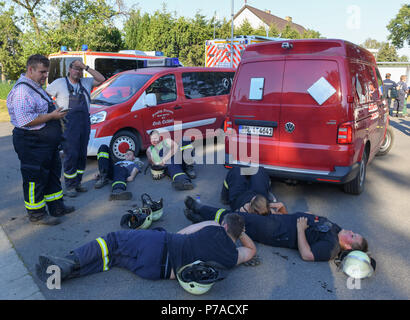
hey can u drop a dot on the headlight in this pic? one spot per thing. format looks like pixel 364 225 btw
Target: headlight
pixel 98 117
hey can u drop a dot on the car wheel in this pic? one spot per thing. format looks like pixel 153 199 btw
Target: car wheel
pixel 356 186
pixel 121 142
pixel 387 143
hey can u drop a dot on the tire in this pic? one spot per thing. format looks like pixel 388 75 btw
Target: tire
pixel 356 186
pixel 387 143
pixel 121 142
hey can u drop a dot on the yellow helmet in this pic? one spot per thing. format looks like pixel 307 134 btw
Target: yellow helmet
pixel 198 277
pixel 137 218
pixel 157 172
pixel 357 264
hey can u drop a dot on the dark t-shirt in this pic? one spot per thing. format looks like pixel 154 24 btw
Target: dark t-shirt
pixel 281 231
pixel 211 243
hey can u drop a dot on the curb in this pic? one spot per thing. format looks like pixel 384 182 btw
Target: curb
pixel 16 282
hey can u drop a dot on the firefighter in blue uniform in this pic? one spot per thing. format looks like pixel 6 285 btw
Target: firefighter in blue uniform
pixel 163 152
pixel 36 137
pixel 389 92
pixel 73 93
pixel 156 254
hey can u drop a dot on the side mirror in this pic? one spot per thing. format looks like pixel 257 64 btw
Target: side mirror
pixel 151 100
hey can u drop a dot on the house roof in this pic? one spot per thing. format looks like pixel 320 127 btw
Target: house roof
pixel 270 19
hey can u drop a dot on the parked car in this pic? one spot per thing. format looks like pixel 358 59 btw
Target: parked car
pixel 128 106
pixel 316 108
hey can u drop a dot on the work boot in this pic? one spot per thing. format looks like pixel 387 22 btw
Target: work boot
pixel 183 185
pixel 80 188
pixel 192 204
pixel 190 171
pixel 71 192
pixel 61 210
pixel 42 218
pixel 119 194
pixel 69 266
pixel 102 181
pixel 193 217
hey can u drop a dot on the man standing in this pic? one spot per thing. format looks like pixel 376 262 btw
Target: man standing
pixel 401 96
pixel 388 87
pixel 73 93
pixel 36 137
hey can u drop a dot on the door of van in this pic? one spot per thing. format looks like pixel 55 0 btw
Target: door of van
pixel 254 111
pixel 167 110
pixel 310 115
pixel 204 99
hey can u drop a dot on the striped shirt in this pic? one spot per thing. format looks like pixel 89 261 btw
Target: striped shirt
pixel 25 105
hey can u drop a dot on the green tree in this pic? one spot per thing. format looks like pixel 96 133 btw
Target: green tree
pixel 32 7
pixel 311 34
pixel 274 31
pixel 10 48
pixel 245 29
pixel 399 27
pixel 371 44
pixel 388 53
pixel 289 33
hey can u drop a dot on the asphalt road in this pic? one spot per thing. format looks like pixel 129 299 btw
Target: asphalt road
pixel 380 213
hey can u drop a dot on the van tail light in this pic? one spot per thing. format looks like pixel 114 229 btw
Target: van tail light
pixel 227 124
pixel 345 133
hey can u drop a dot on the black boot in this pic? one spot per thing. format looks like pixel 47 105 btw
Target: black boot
pixel 192 216
pixel 69 266
pixel 190 171
pixel 192 204
pixel 59 209
pixel 183 185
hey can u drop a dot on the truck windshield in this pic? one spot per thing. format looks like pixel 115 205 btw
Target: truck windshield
pixel 119 89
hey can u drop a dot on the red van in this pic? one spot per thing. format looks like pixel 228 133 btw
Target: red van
pixel 314 109
pixel 128 106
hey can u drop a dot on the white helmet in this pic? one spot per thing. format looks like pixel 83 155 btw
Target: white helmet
pixel 198 277
pixel 356 264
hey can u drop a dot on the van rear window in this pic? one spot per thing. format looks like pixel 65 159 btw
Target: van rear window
pixel 119 89
pixel 206 84
pixel 303 77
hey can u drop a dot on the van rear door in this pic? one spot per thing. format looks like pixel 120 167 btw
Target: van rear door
pixel 255 110
pixel 310 115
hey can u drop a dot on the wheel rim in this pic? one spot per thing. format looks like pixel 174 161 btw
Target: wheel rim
pixel 362 169
pixel 386 142
pixel 121 145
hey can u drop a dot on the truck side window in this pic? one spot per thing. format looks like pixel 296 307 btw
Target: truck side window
pixel 164 88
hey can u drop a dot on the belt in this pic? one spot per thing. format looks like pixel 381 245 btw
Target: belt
pixel 165 265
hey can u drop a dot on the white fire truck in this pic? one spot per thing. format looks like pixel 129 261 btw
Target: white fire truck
pixel 107 63
pixel 218 51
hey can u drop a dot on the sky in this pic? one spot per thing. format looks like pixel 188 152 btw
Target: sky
pixel 352 20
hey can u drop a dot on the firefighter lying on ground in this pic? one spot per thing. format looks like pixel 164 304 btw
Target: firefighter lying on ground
pixel 120 173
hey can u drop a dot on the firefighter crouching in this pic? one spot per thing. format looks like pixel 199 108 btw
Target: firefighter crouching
pixel 36 137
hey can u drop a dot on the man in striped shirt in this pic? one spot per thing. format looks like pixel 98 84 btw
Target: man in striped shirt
pixel 36 137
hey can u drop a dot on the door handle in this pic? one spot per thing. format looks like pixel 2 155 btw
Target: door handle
pixel 177 107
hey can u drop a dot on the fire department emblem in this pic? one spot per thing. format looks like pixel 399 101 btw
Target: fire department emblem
pixel 289 127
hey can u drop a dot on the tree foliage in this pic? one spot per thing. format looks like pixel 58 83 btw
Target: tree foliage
pixel 399 27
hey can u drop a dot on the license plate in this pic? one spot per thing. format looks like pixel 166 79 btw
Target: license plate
pixel 260 131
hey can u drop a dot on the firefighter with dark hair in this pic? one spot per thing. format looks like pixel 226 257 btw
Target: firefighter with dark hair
pixel 157 254
pixel 36 138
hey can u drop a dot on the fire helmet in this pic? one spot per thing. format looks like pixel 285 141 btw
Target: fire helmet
pixel 137 218
pixel 157 172
pixel 356 264
pixel 198 277
pixel 155 206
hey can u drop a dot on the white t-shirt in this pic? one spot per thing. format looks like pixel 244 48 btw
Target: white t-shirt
pixel 58 89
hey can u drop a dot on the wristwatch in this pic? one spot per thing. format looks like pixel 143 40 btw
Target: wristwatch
pixel 86 68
